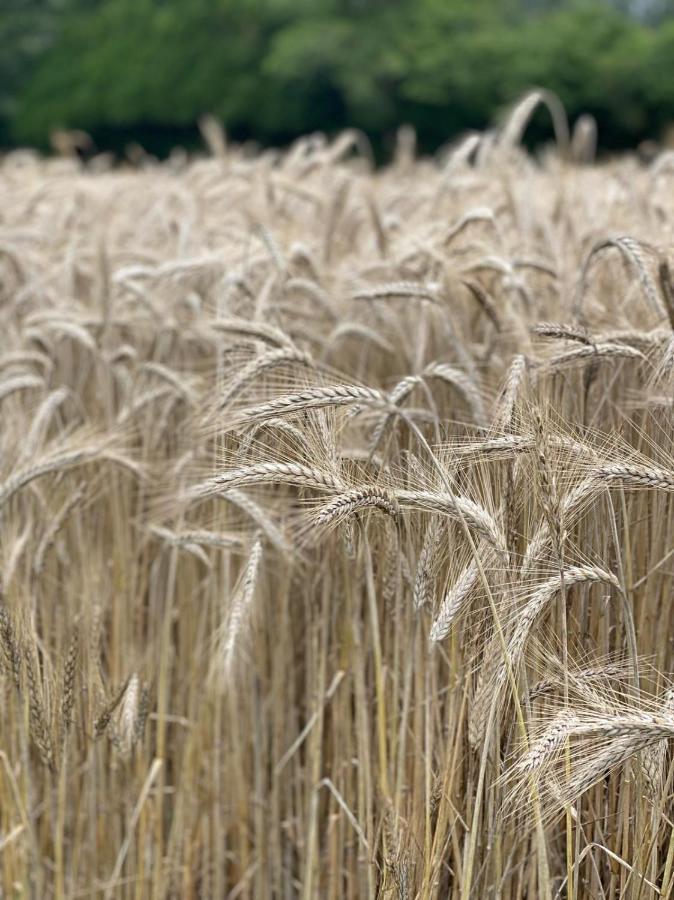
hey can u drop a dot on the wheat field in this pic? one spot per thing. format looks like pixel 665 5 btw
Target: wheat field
pixel 337 522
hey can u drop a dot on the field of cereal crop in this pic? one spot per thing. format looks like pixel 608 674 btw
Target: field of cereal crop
pixel 337 523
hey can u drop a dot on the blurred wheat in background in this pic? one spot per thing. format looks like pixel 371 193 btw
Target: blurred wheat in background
pixel 337 522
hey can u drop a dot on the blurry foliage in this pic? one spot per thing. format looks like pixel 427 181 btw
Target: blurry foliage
pixel 27 28
pixel 272 69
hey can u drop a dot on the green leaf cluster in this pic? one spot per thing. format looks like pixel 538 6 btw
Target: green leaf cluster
pixel 273 69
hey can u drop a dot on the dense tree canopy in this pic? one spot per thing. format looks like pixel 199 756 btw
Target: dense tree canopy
pixel 271 69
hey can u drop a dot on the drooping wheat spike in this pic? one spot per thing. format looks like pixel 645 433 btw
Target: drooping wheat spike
pixel 456 599
pixel 541 598
pixel 646 341
pixel 77 333
pixel 345 505
pixel 257 330
pixel 633 252
pixel 232 629
pixel 19 383
pixel 600 765
pixel 582 680
pixel 634 476
pixel 39 727
pixel 389 566
pixel 491 687
pixel 398 289
pixel 484 301
pixel 548 490
pixel 497 448
pixel 41 422
pixel 582 356
pixel 69 677
pixel 423 581
pixel 61 462
pixel 207 538
pixel 562 332
pixel 654 758
pixel 511 510
pixel 263 363
pixel 604 741
pixel 553 738
pixel 294 474
pixel 456 507
pixel 10 649
pixel 506 405
pixel 143 712
pixel 55 527
pixel 313 398
pixel 356 330
pixel 515 124
pixel 463 383
pixel 20 359
pixel 104 718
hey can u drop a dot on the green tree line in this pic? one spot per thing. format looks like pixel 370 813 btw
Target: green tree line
pixel 272 69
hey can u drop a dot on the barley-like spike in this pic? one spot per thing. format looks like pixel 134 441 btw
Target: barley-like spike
pixel 313 398
pixel 143 712
pixel 257 330
pixel 54 528
pixel 457 507
pixel 631 250
pixel 232 628
pixel 628 475
pixel 104 717
pixel 294 474
pixel 259 364
pixel 484 301
pixel 69 676
pixel 423 582
pixel 562 332
pixel 347 504
pixel 39 728
pixel 538 602
pixel 585 355
pixel 463 383
pixel 503 416
pixel 553 738
pixel 19 383
pixel 398 289
pixel 61 462
pixel 455 601
pixel 9 646
pixel 654 758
